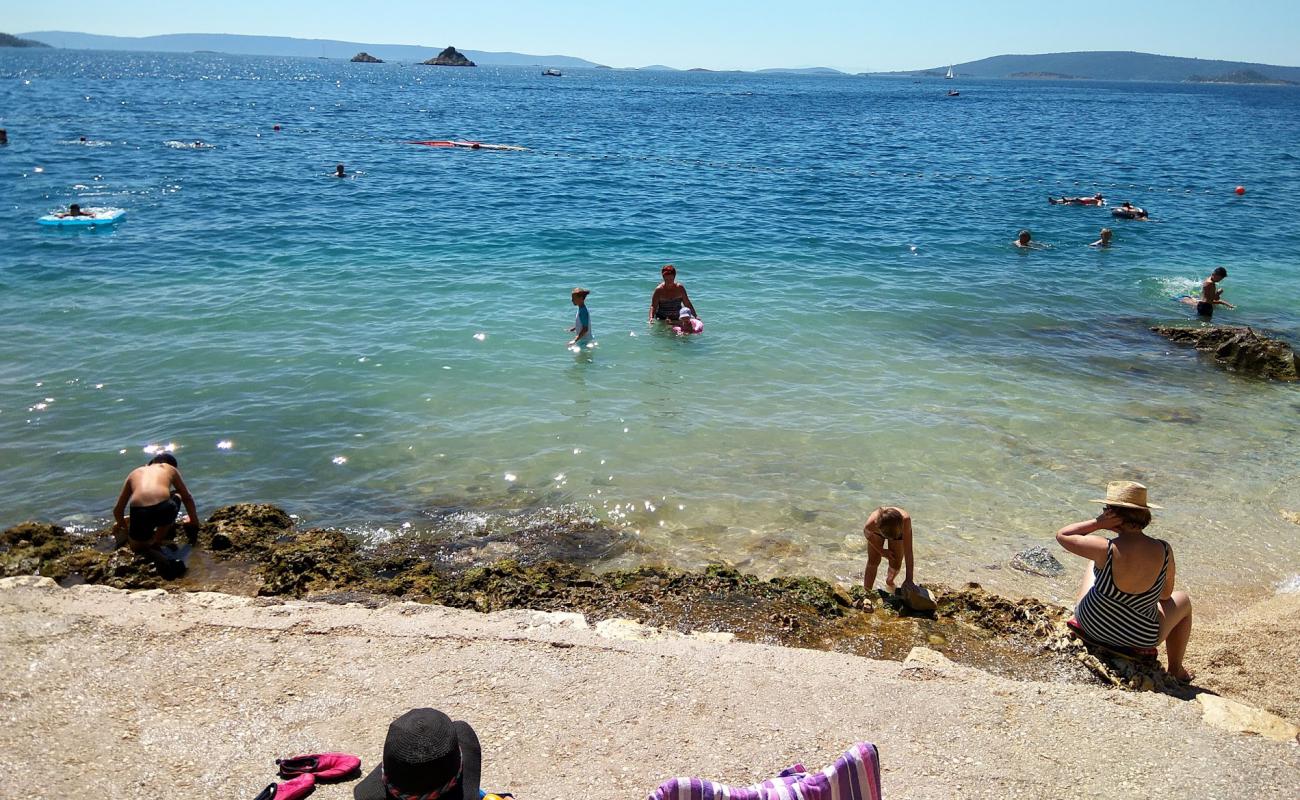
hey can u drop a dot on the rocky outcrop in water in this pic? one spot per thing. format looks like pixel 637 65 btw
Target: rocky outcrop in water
pixel 1239 349
pixel 1037 561
pixel 365 58
pixel 449 57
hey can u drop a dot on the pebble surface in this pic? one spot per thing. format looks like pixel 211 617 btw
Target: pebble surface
pixel 118 694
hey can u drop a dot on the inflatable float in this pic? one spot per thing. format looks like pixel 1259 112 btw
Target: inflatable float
pixel 89 219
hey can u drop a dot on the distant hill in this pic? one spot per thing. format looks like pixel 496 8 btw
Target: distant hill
pixel 1240 76
pixel 659 68
pixel 236 44
pixel 1109 66
pixel 9 40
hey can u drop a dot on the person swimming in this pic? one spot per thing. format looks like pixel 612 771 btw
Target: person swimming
pixel 1104 241
pixel 340 172
pixel 1127 210
pixel 1095 200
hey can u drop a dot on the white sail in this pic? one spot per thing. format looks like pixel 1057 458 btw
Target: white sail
pixel 949 75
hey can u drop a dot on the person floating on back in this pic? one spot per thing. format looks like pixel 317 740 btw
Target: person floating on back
pixel 581 329
pixel 1212 294
pixel 152 492
pixel 1095 200
pixel 669 297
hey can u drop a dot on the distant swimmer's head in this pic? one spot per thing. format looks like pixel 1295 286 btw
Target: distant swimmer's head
pixel 164 458
pixel 82 139
pixel 340 171
pixel 685 313
pixel 1023 237
pixel 1106 234
pixel 669 272
pixel 1219 273
pixel 1098 197
pixel 74 209
pixel 475 146
pixel 1126 204
pixel 579 295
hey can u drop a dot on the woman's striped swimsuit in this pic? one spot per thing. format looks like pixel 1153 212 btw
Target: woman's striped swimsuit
pixel 1109 616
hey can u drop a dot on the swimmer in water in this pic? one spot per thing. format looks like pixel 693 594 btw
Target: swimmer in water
pixel 340 172
pixel 669 297
pixel 687 323
pixel 1104 241
pixel 582 320
pixel 1095 200
pixel 74 210
pixel 1212 294
pixel 4 136
pixel 1127 210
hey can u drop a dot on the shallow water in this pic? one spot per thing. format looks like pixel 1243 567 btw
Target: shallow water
pixel 871 337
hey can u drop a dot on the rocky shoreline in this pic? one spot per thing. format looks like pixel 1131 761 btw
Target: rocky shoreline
pixel 257 550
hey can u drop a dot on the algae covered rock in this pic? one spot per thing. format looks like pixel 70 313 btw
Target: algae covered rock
pixel 1241 350
pixel 245 528
pixel 449 57
pixel 29 548
pixel 316 560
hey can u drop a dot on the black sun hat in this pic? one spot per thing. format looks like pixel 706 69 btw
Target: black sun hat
pixel 427 756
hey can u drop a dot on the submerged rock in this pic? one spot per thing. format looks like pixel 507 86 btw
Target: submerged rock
pixel 1239 349
pixel 1037 561
pixel 449 57
pixel 365 58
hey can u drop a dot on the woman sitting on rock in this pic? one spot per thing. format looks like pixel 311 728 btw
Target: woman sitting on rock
pixel 1127 597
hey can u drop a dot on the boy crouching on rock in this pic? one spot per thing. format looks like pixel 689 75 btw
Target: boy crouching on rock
pixel 889 534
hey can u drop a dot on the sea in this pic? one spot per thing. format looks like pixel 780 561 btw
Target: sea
pixel 386 353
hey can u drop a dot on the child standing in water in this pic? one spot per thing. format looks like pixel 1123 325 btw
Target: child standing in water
pixel 582 322
pixel 889 534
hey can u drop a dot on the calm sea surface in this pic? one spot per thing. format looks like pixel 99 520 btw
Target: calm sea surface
pixel 388 350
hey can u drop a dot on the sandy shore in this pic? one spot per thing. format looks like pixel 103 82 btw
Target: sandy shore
pixel 118 694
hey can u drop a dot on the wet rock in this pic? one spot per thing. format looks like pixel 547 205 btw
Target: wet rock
pixel 29 548
pixel 121 569
pixel 1037 561
pixel 449 57
pixel 1241 718
pixel 365 58
pixel 316 560
pixel 245 528
pixel 1239 349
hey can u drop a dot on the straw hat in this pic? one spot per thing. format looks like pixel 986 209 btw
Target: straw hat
pixel 1127 494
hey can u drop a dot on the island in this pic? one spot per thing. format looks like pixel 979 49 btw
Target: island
pixel 450 57
pixel 1241 76
pixel 9 40
pixel 365 58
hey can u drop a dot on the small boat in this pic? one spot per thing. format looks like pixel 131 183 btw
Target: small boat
pixel 954 93
pixel 552 73
pixel 949 76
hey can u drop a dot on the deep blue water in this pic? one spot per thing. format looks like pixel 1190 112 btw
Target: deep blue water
pixel 871 337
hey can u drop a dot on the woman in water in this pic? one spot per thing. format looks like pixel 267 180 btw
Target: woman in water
pixel 669 297
pixel 1127 597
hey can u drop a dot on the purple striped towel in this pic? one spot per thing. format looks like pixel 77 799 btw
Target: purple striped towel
pixel 854 776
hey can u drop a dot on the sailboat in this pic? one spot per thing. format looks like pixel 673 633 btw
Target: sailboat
pixel 949 76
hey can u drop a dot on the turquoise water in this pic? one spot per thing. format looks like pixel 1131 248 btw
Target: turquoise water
pixel 386 353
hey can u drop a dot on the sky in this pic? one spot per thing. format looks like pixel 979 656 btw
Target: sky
pixel 850 35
